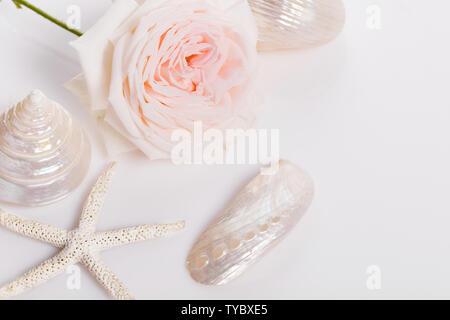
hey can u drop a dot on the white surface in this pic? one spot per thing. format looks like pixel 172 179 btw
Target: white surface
pixel 368 116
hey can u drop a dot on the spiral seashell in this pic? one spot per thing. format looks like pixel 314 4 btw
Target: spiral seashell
pixel 44 153
pixel 296 24
pixel 255 221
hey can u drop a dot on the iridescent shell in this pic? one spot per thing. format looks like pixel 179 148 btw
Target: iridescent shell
pixel 255 221
pixel 44 153
pixel 292 24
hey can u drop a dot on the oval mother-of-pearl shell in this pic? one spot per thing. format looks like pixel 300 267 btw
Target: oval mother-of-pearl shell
pixel 44 153
pixel 292 24
pixel 255 221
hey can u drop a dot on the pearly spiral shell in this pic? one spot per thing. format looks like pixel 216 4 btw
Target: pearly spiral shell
pixel 44 153
pixel 297 24
pixel 255 221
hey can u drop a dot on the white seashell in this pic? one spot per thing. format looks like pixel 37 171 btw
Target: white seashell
pixel 44 153
pixel 295 24
pixel 256 220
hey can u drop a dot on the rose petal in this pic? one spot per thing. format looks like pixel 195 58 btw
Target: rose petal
pixel 95 51
pixel 116 98
pixel 152 151
pixel 78 87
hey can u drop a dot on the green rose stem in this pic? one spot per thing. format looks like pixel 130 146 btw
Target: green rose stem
pixel 20 3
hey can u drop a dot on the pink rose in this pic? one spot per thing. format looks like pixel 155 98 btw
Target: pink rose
pixel 152 67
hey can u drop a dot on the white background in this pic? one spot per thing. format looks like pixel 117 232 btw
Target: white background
pixel 367 115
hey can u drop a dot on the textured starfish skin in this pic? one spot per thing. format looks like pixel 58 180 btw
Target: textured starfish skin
pixel 81 245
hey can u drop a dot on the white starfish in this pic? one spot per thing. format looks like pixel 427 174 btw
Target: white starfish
pixel 81 245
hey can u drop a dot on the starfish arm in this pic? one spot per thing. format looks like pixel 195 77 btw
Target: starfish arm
pixel 38 275
pixel 115 238
pixel 96 199
pixel 34 230
pixel 106 277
